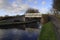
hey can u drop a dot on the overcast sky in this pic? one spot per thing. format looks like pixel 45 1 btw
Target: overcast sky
pixel 18 7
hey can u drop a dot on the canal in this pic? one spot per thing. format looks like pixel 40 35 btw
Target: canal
pixel 18 34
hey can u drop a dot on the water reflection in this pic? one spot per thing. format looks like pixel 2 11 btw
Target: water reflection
pixel 17 34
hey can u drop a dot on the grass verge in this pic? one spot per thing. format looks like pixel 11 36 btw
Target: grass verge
pixel 47 32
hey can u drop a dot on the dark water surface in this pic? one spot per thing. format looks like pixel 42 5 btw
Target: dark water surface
pixel 17 34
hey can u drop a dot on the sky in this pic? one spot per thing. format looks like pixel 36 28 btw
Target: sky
pixel 19 7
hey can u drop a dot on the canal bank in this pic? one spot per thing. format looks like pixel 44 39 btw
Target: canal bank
pixel 47 32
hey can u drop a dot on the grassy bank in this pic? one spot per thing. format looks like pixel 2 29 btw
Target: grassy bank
pixel 47 32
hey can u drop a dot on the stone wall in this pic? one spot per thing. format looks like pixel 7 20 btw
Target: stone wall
pixel 44 18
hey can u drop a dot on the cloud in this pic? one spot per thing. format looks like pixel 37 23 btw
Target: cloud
pixel 43 2
pixel 1 1
pixel 30 0
pixel 1 4
pixel 18 7
pixel 35 2
pixel 15 6
pixel 44 10
pixel 4 4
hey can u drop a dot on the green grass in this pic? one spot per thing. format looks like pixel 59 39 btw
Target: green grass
pixel 47 32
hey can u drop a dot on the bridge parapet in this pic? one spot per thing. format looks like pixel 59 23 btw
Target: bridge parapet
pixel 33 15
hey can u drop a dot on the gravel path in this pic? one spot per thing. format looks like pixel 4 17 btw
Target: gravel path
pixel 56 23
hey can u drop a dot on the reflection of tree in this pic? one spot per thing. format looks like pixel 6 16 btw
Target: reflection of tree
pixel 31 10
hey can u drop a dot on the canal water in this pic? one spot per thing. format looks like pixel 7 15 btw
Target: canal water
pixel 17 34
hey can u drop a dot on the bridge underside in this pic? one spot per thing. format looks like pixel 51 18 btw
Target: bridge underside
pixel 33 18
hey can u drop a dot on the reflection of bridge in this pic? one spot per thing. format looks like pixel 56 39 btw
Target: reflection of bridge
pixel 29 20
pixel 19 25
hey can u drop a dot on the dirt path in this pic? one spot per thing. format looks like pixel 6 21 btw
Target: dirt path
pixel 56 23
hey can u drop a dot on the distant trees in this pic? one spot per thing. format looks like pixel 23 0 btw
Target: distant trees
pixel 31 10
pixel 56 6
pixel 17 15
